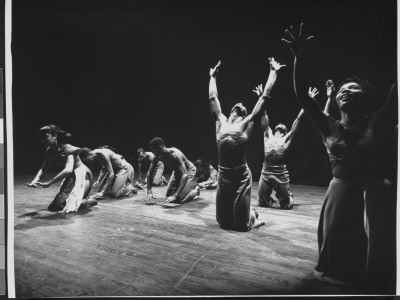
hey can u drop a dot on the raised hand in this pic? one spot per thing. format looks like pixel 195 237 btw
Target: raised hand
pixel 274 65
pixel 258 90
pixel 312 92
pixel 214 71
pixel 330 88
pixel 295 40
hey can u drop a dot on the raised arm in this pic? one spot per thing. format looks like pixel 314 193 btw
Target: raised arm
pixel 386 119
pixel 258 109
pixel 289 135
pixel 331 107
pixel 264 118
pixel 213 94
pixel 297 43
pixel 68 169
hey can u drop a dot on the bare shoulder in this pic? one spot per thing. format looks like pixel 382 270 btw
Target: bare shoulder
pixel 175 151
pixel 103 153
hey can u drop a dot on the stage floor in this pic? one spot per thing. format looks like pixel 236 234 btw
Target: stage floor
pixel 122 247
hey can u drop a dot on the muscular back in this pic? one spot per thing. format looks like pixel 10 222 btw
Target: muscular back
pixel 115 159
pixel 174 159
pixel 275 150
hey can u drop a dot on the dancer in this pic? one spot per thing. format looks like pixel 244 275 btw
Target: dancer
pixel 232 134
pixel 208 176
pixel 182 184
pixel 144 161
pixel 120 173
pixel 351 250
pixel 76 177
pixel 103 174
pixel 274 175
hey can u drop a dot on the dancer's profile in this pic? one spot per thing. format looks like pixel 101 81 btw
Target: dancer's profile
pixel 76 177
pixel 356 233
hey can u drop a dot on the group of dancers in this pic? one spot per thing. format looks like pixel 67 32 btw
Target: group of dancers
pixel 356 231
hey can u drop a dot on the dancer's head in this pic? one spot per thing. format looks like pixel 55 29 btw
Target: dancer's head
pixel 238 113
pixel 141 153
pixel 280 130
pixel 52 135
pixel 356 95
pixel 157 145
pixel 203 169
pixel 87 156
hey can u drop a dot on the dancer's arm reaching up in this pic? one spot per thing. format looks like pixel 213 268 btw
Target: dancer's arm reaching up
pixel 297 43
pixel 213 97
pixel 264 118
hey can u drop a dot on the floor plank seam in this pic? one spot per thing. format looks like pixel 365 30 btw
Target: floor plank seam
pixel 195 263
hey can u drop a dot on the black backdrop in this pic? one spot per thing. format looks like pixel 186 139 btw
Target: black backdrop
pixel 122 72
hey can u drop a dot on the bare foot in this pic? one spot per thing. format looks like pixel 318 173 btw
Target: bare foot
pixel 258 223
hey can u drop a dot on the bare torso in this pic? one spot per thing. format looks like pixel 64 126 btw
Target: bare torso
pixel 115 159
pixel 232 141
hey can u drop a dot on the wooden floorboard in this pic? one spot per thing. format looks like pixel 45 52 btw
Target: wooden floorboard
pixel 122 247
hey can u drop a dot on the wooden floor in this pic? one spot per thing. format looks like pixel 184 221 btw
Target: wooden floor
pixel 123 247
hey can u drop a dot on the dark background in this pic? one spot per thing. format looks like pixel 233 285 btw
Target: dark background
pixel 123 72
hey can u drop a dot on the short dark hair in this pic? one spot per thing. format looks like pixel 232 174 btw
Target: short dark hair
pixel 62 136
pixel 140 150
pixel 157 142
pixel 281 127
pixel 240 110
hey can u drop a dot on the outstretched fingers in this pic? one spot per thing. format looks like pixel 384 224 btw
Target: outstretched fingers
pixel 213 71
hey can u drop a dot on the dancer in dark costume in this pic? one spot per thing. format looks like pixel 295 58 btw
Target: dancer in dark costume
pixel 232 134
pixel 356 233
pixel 76 177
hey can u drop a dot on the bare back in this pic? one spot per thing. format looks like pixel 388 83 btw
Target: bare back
pixel 275 150
pixel 174 160
pixel 115 159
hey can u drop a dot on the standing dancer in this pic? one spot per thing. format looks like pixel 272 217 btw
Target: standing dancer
pixel 76 177
pixel 182 184
pixel 119 172
pixel 232 134
pixel 274 175
pixel 356 232
pixel 144 162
